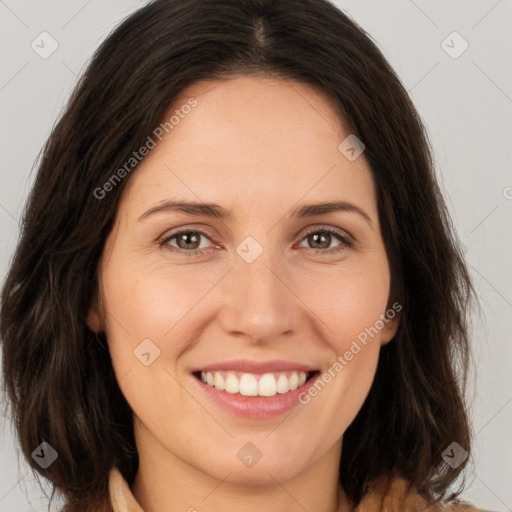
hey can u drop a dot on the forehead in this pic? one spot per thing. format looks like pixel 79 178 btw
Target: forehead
pixel 251 134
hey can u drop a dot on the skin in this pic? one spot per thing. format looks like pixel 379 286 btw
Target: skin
pixel 259 147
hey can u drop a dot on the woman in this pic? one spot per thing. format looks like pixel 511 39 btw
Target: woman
pixel 237 282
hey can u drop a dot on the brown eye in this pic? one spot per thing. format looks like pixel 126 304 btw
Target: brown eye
pixel 186 242
pixel 189 240
pixel 320 240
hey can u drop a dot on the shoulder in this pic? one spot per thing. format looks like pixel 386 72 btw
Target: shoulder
pixel 392 493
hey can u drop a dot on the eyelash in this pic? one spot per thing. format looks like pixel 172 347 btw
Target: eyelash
pixel 347 242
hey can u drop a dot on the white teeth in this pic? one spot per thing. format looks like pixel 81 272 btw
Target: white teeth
pixel 294 381
pixel 232 383
pixel 268 384
pixel 282 384
pixel 219 381
pixel 248 385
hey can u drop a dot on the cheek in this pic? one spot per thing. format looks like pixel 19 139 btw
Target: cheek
pixel 349 304
pixel 174 306
pixel 348 301
pixel 144 300
pixel 165 302
pixel 144 307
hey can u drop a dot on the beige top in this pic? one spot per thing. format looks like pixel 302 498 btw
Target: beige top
pixel 387 495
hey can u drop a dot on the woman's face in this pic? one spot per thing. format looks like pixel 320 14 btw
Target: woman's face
pixel 254 297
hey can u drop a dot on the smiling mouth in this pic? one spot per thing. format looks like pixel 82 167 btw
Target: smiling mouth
pixel 254 384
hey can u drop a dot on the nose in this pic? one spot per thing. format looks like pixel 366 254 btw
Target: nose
pixel 258 302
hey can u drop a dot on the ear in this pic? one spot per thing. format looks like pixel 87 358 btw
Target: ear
pixel 390 328
pixel 94 317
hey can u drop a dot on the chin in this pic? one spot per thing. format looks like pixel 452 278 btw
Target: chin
pixel 249 465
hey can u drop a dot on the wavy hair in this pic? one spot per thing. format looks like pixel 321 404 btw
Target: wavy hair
pixel 58 375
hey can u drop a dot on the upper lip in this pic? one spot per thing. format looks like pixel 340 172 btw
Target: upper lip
pixel 251 366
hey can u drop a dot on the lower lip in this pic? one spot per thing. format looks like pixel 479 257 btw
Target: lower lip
pixel 256 407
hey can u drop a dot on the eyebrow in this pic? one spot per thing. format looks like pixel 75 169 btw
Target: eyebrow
pixel 217 211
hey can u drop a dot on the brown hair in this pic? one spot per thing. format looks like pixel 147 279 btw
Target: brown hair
pixel 58 374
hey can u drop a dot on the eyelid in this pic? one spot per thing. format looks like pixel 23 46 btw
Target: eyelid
pixel 329 229
pixel 345 238
pixel 164 239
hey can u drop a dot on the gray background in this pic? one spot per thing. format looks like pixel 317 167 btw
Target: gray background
pixel 466 104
